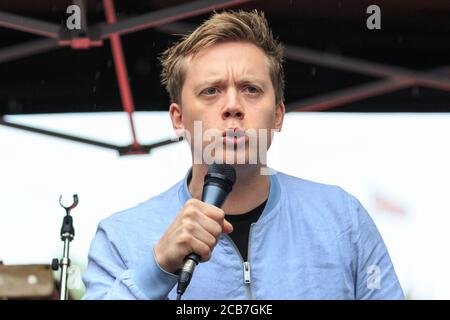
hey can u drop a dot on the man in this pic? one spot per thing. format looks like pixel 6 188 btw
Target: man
pixel 277 236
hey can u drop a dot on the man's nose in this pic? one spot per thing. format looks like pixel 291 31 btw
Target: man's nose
pixel 233 107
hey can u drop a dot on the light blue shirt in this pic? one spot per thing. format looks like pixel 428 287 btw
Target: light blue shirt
pixel 312 241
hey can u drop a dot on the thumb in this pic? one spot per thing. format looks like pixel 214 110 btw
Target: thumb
pixel 227 227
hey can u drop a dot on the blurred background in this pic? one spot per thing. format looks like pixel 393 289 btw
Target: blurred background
pixel 82 111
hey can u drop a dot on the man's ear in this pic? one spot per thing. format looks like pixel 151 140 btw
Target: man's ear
pixel 279 115
pixel 177 119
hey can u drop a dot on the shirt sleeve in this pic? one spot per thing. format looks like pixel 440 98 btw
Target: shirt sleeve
pixel 108 275
pixel 375 277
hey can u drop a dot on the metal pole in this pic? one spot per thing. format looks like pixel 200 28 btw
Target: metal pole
pixel 65 264
pixel 67 235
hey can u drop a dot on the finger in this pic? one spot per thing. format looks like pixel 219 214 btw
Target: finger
pixel 212 212
pixel 200 233
pixel 218 216
pixel 202 249
pixel 210 225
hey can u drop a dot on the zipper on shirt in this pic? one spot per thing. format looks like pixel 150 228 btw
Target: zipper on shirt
pixel 245 264
pixel 247 278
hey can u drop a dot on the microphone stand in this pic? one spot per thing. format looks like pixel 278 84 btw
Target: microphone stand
pixel 67 235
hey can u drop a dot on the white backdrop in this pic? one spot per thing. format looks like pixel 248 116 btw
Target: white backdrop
pixel 396 164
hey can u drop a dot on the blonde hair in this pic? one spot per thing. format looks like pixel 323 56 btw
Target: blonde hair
pixel 226 26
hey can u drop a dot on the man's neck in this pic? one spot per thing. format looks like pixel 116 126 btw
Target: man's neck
pixel 250 190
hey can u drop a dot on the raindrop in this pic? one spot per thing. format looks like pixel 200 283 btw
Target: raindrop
pixel 313 71
pixel 109 63
pixel 94 89
pixel 415 92
pixel 97 75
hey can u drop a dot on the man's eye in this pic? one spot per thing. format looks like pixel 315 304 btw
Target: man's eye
pixel 210 91
pixel 252 89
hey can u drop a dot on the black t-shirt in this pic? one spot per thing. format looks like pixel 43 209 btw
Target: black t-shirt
pixel 241 227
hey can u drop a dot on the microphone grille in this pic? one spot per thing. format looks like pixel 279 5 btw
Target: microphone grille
pixel 223 169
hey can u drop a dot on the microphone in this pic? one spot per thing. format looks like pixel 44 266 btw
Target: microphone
pixel 218 184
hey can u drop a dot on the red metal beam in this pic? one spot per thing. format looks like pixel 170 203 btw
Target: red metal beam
pixel 121 68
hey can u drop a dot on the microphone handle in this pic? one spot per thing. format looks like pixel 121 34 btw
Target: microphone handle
pixel 213 194
pixel 216 196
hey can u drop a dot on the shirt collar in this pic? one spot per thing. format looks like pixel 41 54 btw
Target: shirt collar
pixel 272 201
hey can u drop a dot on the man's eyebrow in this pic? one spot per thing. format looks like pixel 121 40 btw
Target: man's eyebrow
pixel 209 82
pixel 257 81
pixel 219 81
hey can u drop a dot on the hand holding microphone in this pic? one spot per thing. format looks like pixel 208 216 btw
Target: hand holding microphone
pixel 195 231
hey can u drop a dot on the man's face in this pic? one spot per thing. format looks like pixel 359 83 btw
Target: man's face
pixel 228 89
